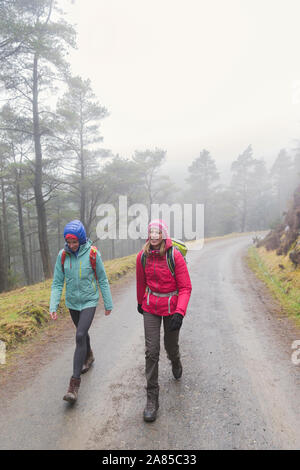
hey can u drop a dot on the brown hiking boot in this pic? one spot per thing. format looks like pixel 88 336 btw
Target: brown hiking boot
pixel 177 369
pixel 151 408
pixel 88 362
pixel 72 393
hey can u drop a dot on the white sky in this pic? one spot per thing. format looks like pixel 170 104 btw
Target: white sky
pixel 184 75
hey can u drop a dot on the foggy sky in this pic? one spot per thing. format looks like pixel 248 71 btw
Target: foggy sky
pixel 192 74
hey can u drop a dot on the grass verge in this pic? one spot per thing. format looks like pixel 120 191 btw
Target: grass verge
pixel 280 276
pixel 25 311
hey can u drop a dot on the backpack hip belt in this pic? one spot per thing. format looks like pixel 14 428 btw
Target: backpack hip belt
pixel 161 294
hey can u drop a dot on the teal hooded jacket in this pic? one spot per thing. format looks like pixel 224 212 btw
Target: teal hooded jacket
pixel 81 285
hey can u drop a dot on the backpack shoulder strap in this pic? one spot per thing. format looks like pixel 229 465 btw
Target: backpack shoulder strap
pixel 93 257
pixel 63 257
pixel 171 260
pixel 169 257
pixel 143 259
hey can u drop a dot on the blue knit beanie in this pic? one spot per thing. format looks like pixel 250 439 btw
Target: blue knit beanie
pixel 75 227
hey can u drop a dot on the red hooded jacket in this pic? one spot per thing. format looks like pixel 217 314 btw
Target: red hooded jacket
pixel 158 278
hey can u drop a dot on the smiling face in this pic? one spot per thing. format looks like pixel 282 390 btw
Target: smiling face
pixel 72 244
pixel 155 237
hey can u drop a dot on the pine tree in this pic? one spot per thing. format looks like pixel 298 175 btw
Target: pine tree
pixel 28 75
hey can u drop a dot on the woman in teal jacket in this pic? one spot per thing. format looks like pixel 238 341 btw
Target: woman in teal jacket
pixel 74 265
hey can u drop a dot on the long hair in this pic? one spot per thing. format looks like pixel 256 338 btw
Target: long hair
pixel 162 248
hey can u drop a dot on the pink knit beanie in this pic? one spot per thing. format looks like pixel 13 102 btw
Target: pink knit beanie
pixel 160 225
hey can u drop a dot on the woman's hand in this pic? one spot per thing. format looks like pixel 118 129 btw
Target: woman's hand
pixel 139 308
pixel 53 315
pixel 107 312
pixel 176 322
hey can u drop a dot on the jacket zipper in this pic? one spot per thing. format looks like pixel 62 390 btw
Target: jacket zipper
pixel 154 274
pixel 78 284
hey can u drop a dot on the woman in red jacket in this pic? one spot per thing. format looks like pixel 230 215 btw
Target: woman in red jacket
pixel 161 296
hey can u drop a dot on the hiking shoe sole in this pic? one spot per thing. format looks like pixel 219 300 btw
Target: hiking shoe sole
pixel 69 399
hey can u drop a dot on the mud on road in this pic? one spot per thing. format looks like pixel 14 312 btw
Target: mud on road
pixel 239 389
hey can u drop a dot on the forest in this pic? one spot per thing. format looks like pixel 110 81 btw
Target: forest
pixel 54 166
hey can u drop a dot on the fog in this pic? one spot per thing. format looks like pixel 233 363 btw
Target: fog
pixel 184 76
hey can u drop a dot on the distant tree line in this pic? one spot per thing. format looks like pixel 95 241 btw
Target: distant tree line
pixel 255 199
pixel 53 167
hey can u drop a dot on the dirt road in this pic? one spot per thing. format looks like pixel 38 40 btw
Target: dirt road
pixel 239 389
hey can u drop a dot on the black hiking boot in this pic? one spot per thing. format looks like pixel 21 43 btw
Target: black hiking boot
pixel 177 369
pixel 151 408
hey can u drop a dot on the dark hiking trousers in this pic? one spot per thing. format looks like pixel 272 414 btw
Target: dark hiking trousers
pixel 152 324
pixel 82 320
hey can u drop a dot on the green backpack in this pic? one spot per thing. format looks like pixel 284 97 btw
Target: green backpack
pixel 176 245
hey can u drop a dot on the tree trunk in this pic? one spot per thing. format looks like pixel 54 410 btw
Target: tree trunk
pixel 2 257
pixel 5 239
pixel 38 181
pixel 30 246
pixel 59 232
pixel 82 173
pixel 244 214
pixel 113 251
pixel 22 237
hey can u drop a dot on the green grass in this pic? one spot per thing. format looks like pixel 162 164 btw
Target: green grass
pixel 25 311
pixel 280 276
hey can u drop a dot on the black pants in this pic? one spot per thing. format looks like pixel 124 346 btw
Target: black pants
pixel 82 320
